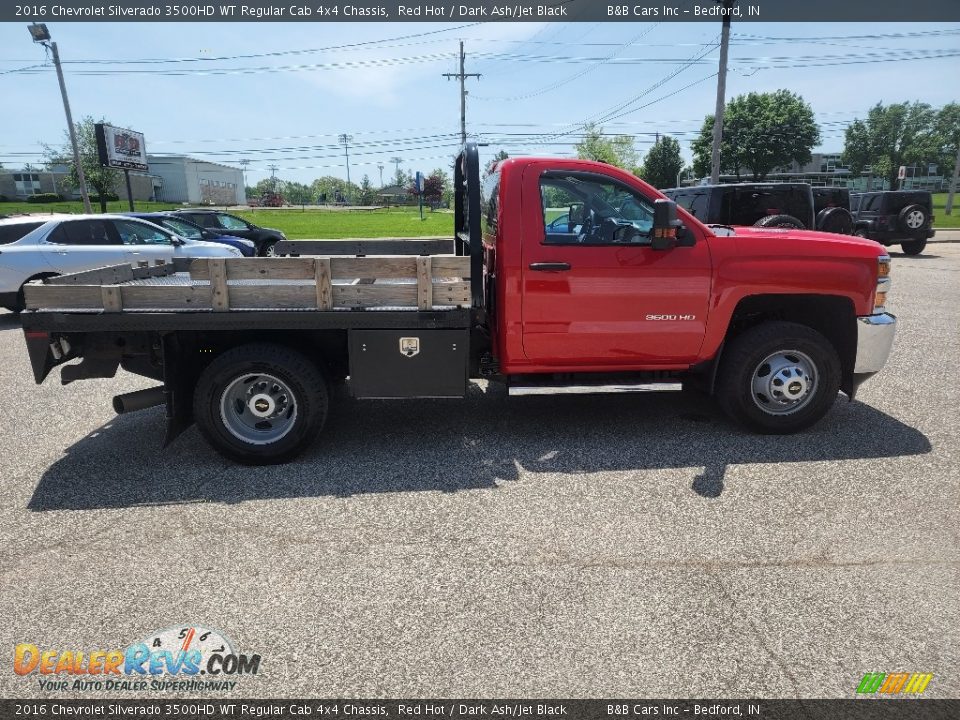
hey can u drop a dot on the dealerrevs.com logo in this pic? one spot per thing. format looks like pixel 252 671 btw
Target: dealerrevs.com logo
pixel 186 658
pixel 887 684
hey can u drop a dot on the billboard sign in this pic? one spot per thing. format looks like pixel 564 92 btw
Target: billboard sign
pixel 120 148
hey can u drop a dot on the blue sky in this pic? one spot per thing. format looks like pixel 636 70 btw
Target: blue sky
pixel 540 83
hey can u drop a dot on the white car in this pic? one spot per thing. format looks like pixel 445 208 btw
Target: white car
pixel 33 247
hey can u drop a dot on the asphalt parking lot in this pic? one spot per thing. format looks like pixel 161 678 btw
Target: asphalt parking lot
pixel 551 547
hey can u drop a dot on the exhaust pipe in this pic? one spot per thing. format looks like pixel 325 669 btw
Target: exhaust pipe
pixel 139 400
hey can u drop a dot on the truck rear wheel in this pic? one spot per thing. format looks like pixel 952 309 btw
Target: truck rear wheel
pixel 778 377
pixel 261 404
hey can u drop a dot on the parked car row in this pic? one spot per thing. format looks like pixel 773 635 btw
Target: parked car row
pixel 38 247
pixel 891 217
pixel 222 222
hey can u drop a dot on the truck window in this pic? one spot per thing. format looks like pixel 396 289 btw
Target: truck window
pixel 588 209
pixel 489 207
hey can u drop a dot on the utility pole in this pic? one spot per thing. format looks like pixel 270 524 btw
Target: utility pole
pixel 462 77
pixel 40 34
pixel 721 91
pixel 273 178
pixel 345 141
pixel 380 168
pixel 396 161
pixel 243 169
pixel 953 185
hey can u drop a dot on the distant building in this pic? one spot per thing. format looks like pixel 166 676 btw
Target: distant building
pixel 21 184
pixel 199 182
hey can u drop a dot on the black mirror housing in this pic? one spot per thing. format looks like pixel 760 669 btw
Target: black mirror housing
pixel 665 225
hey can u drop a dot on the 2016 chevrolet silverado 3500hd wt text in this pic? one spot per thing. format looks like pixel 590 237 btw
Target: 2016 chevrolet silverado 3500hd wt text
pixel 561 276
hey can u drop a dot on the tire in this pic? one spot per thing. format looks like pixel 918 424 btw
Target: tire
pixel 749 372
pixel 835 220
pixel 788 221
pixel 913 219
pixel 19 305
pixel 268 249
pixel 283 384
pixel 913 247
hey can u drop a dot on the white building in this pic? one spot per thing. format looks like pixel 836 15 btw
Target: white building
pixel 188 180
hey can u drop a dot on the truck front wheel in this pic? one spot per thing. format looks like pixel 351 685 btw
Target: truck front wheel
pixel 261 404
pixel 778 377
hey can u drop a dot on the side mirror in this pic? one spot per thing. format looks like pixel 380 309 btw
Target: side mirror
pixel 576 215
pixel 177 241
pixel 665 224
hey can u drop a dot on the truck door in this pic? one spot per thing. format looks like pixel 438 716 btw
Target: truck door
pixel 594 291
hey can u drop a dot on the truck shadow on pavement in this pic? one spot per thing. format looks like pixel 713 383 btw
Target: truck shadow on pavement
pixel 449 446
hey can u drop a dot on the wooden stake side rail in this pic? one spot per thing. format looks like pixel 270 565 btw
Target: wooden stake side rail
pixel 224 284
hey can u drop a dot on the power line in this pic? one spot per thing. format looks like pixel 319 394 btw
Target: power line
pixel 577 76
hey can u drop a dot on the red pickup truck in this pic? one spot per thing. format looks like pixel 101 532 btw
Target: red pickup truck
pixel 563 276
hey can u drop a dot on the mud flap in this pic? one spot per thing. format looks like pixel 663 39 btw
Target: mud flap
pixel 178 389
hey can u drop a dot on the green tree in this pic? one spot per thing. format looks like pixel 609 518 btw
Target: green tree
pixel 948 136
pixel 891 136
pixel 366 195
pixel 662 163
pixel 761 132
pixel 103 181
pixel 501 155
pixel 401 178
pixel 330 189
pixel 614 150
pixel 297 193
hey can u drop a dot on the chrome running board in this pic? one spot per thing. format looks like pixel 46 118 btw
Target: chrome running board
pixel 592 389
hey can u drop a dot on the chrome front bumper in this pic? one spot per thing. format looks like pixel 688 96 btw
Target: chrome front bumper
pixel 874 340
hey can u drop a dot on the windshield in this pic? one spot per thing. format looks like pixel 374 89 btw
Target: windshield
pixel 183 229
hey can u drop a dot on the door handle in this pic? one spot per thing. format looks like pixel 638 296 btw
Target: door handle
pixel 549 266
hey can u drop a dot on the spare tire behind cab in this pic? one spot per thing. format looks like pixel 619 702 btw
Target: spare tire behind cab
pixel 786 221
pixel 913 220
pixel 836 220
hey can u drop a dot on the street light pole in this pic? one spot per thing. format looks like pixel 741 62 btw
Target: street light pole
pixel 40 34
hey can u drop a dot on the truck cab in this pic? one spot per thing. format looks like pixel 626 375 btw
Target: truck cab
pixel 581 284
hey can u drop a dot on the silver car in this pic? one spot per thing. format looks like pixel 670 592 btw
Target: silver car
pixel 33 247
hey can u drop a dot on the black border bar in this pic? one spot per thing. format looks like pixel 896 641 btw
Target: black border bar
pixel 460 11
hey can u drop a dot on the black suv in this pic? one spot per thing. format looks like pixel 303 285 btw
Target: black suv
pixel 263 238
pixel 892 217
pixel 760 204
pixel 832 206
